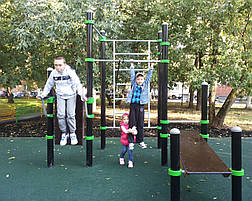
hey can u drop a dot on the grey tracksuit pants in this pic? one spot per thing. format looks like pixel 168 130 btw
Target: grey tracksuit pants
pixel 66 112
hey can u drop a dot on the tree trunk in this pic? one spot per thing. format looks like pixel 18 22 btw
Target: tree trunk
pixel 218 121
pixel 9 95
pixel 191 92
pixel 212 97
pixel 249 102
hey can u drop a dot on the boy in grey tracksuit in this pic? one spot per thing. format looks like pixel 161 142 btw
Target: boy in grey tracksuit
pixel 67 86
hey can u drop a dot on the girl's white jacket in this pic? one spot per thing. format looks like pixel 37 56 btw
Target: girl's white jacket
pixel 67 83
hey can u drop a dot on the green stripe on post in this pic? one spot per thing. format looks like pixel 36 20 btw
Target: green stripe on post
pixel 159 127
pixel 49 137
pixel 165 43
pixel 165 61
pixel 103 128
pixel 175 173
pixel 158 53
pixel 89 59
pixel 50 100
pixel 91 116
pixel 50 115
pixel 89 21
pixel 159 40
pixel 205 136
pixel 237 173
pixel 164 135
pixel 102 39
pixel 164 121
pixel 204 121
pixel 90 100
pixel 89 137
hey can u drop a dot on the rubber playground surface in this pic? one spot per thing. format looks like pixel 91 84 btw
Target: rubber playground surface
pixel 24 175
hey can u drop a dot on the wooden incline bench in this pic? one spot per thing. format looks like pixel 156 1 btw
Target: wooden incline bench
pixel 197 157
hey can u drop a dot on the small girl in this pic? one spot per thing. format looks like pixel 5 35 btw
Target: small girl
pixel 124 126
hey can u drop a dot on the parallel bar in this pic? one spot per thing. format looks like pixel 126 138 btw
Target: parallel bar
pixel 183 121
pixel 126 61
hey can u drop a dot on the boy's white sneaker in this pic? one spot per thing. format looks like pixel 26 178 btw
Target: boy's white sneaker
pixel 130 164
pixel 131 146
pixel 63 140
pixel 143 145
pixel 73 138
pixel 122 161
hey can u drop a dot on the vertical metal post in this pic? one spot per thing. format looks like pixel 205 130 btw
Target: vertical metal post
pixel 204 122
pixel 149 51
pixel 159 88
pixel 114 82
pixel 237 171
pixel 103 87
pixel 164 80
pixel 89 143
pixel 50 126
pixel 175 171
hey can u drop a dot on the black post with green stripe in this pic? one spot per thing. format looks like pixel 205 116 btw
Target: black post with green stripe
pixel 103 87
pixel 164 80
pixel 89 65
pixel 204 121
pixel 159 88
pixel 237 171
pixel 50 126
pixel 175 171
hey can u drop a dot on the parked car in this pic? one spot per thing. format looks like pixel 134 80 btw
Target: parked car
pixel 3 93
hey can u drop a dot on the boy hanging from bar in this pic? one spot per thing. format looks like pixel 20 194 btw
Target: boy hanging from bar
pixel 138 97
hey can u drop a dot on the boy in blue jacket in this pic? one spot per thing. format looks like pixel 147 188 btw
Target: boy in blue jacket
pixel 138 96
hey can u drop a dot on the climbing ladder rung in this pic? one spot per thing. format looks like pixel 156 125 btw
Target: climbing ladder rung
pixel 131 53
pixel 120 98
pixel 128 69
pixel 123 84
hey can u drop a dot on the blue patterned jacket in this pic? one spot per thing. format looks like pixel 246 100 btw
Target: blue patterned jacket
pixel 144 98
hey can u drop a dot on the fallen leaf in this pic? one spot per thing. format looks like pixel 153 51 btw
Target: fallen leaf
pixel 12 158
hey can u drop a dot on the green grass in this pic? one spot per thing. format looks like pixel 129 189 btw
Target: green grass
pixel 21 107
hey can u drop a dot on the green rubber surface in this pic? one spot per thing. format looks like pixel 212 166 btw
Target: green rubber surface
pixel 24 175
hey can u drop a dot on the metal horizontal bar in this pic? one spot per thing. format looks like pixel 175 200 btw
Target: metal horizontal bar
pixel 128 69
pixel 127 61
pixel 123 84
pixel 150 127
pixel 131 54
pixel 183 121
pixel 153 41
pixel 120 98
